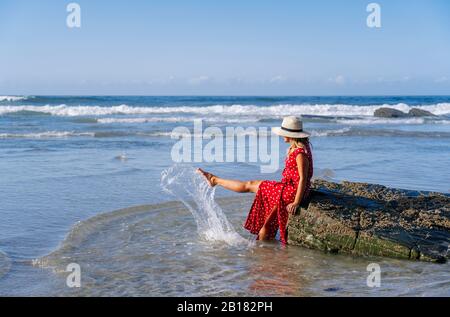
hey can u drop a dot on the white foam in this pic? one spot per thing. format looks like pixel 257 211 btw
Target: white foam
pixel 194 192
pixel 206 134
pixel 325 133
pixel 274 111
pixel 373 120
pixel 12 98
pixel 43 135
pixel 393 121
pixel 170 119
pixel 439 121
pixel 137 120
pixel 258 133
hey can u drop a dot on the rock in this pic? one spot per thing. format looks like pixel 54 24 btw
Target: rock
pixel 386 112
pixel 389 113
pixel 373 220
pixel 415 112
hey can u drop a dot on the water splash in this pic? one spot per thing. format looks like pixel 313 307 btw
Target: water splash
pixel 193 191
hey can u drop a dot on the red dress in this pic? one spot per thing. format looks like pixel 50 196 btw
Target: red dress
pixel 280 194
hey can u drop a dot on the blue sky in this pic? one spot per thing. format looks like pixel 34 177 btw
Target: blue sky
pixel 237 47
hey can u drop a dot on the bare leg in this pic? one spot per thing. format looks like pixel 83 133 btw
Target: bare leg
pixel 264 232
pixel 233 185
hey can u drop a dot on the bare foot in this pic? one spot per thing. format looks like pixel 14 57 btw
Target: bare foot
pixel 210 178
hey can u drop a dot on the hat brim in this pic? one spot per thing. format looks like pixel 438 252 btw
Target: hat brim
pixel 296 135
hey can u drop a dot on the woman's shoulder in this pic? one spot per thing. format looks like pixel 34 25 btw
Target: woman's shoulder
pixel 298 150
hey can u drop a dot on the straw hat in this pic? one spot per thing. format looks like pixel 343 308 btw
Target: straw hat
pixel 292 127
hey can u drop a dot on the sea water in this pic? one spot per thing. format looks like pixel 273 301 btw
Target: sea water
pixel 65 160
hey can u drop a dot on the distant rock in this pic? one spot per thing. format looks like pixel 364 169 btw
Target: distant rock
pixel 374 220
pixel 387 112
pixel 415 112
pixel 390 113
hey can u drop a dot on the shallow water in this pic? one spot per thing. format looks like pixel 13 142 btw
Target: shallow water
pixel 126 253
pixel 67 159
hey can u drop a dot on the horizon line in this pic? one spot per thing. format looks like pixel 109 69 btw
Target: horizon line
pixel 230 95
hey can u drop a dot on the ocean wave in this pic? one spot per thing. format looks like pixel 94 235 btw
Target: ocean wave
pixel 12 98
pixel 240 133
pixel 347 131
pixel 84 120
pixel 324 133
pixel 393 133
pixel 373 120
pixel 207 134
pixel 172 119
pixel 394 121
pixel 73 134
pixel 258 112
pixel 45 135
pixel 165 134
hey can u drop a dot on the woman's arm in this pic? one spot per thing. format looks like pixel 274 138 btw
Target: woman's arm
pixel 303 167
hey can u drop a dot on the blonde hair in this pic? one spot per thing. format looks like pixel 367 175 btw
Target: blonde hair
pixel 298 143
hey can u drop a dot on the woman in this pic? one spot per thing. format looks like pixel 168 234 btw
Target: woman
pixel 275 200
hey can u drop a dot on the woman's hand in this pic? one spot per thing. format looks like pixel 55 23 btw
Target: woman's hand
pixel 292 208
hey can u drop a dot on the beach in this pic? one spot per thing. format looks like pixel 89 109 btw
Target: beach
pixel 83 182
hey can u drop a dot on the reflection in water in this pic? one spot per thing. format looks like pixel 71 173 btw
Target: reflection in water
pixel 273 273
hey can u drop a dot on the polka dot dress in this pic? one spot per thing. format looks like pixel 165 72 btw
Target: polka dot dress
pixel 280 194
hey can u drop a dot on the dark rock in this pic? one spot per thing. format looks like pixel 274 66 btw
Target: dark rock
pixel 389 113
pixel 373 220
pixel 415 112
